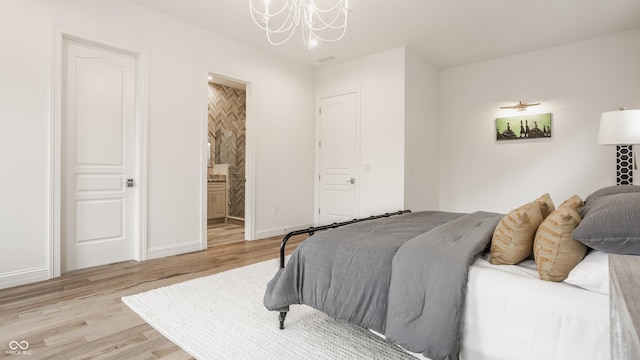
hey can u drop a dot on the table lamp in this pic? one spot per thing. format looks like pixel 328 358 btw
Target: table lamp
pixel 621 128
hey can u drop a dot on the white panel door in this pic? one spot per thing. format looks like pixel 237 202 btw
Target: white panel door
pixel 98 155
pixel 338 158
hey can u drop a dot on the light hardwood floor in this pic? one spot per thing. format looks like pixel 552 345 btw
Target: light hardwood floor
pixel 222 234
pixel 80 315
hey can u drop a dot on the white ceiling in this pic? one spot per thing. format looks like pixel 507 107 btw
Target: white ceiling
pixel 446 33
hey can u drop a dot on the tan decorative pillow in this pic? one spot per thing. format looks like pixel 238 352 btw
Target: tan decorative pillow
pixel 555 252
pixel 574 202
pixel 545 204
pixel 512 239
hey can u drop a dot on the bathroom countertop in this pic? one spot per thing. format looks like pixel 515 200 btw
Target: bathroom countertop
pixel 217 178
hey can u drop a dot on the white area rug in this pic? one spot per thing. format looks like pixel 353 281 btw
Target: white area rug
pixel 222 317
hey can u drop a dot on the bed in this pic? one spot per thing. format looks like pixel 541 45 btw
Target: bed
pixel 531 284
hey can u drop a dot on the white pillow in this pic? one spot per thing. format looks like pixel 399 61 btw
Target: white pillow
pixel 592 273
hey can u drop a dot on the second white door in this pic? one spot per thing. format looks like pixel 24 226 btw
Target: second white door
pixel 338 148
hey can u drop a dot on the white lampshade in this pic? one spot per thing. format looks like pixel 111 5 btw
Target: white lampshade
pixel 620 127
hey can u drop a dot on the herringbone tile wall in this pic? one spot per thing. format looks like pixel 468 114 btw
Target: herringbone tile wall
pixel 227 131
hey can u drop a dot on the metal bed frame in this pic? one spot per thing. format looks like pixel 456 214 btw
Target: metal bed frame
pixel 310 231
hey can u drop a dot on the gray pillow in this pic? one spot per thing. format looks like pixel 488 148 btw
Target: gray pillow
pixel 612 224
pixel 605 191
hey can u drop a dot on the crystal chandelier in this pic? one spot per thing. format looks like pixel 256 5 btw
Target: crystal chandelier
pixel 280 19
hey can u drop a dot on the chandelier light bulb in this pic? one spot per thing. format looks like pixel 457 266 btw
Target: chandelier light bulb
pixel 312 42
pixel 280 18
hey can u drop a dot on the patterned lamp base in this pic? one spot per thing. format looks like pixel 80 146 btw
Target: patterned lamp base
pixel 624 165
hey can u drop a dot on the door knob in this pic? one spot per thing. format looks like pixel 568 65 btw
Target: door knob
pixel 130 183
pixel 351 181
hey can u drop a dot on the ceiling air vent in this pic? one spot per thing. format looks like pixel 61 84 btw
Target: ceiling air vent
pixel 328 58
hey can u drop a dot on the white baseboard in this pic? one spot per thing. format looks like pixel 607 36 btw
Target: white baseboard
pixel 22 277
pixel 281 231
pixel 173 249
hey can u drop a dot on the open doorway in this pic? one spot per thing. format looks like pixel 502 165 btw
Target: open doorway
pixel 226 161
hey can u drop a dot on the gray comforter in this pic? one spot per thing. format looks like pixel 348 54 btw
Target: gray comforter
pixel 403 276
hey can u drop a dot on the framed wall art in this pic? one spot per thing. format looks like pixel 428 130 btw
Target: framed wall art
pixel 523 127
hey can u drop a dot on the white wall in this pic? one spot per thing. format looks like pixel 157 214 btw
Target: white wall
pixel 398 107
pixel 380 80
pixel 178 53
pixel 576 83
pixel 421 134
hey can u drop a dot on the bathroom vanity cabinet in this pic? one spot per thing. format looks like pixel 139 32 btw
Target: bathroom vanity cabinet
pixel 216 200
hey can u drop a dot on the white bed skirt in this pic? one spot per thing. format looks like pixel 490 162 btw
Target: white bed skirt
pixel 510 314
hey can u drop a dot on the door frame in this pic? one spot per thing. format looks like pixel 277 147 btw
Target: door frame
pixel 249 186
pixel 55 159
pixel 316 182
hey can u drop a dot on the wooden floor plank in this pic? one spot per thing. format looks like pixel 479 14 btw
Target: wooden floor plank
pixel 80 315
